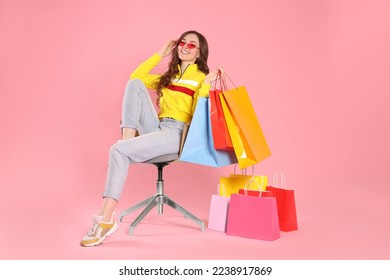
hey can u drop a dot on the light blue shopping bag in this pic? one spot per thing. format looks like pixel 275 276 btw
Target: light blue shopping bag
pixel 199 145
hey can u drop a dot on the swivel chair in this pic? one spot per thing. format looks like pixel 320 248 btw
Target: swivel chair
pixel 159 198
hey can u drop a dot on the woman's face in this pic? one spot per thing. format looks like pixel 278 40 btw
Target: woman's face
pixel 188 48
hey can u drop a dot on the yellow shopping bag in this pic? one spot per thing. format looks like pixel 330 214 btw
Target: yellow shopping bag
pixel 247 136
pixel 235 182
pixel 261 181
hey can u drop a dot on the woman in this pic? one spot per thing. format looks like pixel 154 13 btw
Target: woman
pixel 178 89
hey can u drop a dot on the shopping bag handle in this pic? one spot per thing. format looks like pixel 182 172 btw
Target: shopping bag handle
pixel 251 181
pixel 275 182
pixel 223 188
pixel 243 171
pixel 221 77
pixel 222 83
pixel 224 80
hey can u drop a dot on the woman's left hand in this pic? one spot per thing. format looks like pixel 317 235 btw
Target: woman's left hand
pixel 212 76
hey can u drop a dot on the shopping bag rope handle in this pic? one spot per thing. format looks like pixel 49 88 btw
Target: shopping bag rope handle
pixel 221 77
pixel 222 82
pixel 223 188
pixel 225 74
pixel 243 171
pixel 280 174
pixel 251 181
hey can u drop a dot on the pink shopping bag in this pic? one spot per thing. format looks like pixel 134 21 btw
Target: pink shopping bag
pixel 253 217
pixel 218 211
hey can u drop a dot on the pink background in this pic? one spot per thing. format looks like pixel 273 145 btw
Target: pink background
pixel 318 76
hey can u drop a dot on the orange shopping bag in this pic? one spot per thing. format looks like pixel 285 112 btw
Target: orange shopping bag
pixel 247 136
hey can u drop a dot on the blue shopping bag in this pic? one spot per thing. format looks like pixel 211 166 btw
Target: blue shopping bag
pixel 199 145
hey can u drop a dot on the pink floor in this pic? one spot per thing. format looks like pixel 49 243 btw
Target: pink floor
pixel 334 224
pixel 318 76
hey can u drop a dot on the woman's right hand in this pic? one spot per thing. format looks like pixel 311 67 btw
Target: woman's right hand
pixel 167 48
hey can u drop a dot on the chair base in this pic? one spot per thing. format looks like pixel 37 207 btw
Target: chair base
pixel 157 200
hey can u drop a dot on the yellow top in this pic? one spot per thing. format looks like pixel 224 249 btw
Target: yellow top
pixel 178 100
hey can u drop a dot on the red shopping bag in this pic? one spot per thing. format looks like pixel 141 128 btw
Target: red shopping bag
pixel 219 127
pixel 285 200
pixel 256 193
pixel 253 217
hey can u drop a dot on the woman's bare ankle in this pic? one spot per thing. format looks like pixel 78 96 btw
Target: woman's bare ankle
pixel 128 133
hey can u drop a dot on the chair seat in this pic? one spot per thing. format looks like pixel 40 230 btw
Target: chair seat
pixel 163 158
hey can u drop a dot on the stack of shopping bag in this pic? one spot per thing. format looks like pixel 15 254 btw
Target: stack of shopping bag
pixel 245 206
pixel 225 130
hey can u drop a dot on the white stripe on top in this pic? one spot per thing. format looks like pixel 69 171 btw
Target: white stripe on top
pixel 188 82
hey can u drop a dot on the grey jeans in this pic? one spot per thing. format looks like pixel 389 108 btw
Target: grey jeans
pixel 156 137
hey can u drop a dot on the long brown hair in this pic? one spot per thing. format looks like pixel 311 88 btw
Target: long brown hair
pixel 201 61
